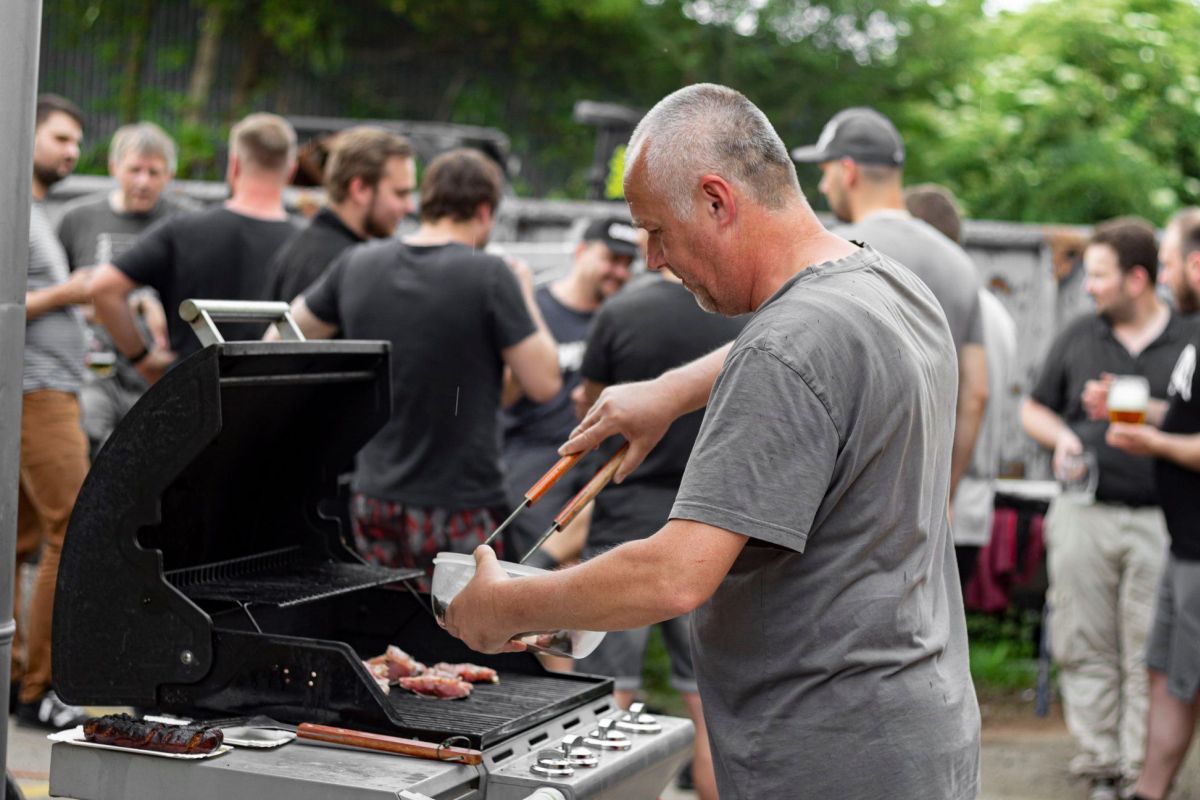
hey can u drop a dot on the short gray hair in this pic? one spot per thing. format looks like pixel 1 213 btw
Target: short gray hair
pixel 143 139
pixel 705 128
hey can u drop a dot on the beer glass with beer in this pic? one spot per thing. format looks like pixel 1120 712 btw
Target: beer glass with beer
pixel 1128 397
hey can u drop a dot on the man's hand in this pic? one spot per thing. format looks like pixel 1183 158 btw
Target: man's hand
pixel 641 412
pixel 472 614
pixel 1138 440
pixel 1068 444
pixel 156 362
pixel 1095 396
pixel 77 289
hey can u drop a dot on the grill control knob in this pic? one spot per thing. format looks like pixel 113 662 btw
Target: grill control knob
pixel 552 764
pixel 578 753
pixel 607 737
pixel 636 720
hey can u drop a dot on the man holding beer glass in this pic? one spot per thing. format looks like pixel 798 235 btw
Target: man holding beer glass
pixel 1173 657
pixel 1105 557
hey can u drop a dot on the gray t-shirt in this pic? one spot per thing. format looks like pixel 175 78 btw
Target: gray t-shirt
pixel 55 341
pixel 832 659
pixel 944 266
pixel 93 233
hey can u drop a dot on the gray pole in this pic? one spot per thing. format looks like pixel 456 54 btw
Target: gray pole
pixel 19 37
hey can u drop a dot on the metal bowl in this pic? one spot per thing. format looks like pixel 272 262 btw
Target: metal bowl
pixel 453 571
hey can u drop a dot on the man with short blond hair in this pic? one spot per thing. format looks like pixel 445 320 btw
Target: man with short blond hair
pixel 218 254
pixel 370 178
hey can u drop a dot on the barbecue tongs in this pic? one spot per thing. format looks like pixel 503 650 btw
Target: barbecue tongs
pixel 571 509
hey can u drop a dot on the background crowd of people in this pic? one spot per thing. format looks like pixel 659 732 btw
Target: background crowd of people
pixel 491 374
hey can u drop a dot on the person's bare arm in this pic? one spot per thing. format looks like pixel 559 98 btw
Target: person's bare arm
pixel 74 291
pixel 312 326
pixel 636 584
pixel 532 363
pixel 147 306
pixel 1047 428
pixel 643 411
pixel 1146 440
pixel 968 416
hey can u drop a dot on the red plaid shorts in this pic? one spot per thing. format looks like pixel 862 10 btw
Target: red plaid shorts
pixel 398 535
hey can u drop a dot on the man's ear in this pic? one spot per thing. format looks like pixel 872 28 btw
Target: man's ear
pixel 850 173
pixel 720 205
pixel 358 191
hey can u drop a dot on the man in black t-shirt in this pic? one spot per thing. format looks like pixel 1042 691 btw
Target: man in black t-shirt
pixel 1173 657
pixel 638 335
pixel 1105 558
pixel 430 480
pixel 534 431
pixel 369 179
pixel 219 254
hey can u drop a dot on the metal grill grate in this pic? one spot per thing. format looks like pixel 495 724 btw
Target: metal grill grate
pixel 283 578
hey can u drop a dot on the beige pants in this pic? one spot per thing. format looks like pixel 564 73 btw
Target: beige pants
pixel 54 463
pixel 1105 562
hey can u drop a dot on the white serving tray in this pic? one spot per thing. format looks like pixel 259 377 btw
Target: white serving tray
pixel 75 736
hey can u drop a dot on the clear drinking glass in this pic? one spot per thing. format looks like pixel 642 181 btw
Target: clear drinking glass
pixel 1078 475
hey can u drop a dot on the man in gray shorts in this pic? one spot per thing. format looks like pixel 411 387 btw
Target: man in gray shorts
pixel 1173 654
pixel 810 533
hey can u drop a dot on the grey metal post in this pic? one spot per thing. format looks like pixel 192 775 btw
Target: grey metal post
pixel 19 38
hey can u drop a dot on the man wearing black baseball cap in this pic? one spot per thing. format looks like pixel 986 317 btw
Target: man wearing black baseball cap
pixel 534 431
pixel 861 156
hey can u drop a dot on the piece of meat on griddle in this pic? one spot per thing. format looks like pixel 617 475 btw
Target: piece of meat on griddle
pixel 399 664
pixel 441 687
pixel 122 730
pixel 471 673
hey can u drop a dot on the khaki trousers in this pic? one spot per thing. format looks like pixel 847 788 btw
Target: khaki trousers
pixel 1105 562
pixel 53 465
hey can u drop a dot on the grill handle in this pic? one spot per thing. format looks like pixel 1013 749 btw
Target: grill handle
pixel 203 316
pixel 388 744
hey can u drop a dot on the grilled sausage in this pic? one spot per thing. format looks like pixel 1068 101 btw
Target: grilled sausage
pixel 122 730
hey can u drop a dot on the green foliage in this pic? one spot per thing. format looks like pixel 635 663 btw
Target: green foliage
pixel 1074 113
pixel 1067 112
pixel 1003 651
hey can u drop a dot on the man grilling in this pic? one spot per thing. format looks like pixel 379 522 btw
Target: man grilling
pixel 810 531
pixel 430 480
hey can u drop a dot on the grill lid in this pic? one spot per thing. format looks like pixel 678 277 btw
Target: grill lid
pixel 210 492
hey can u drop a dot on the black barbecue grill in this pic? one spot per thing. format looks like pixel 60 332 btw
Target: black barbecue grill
pixel 203 573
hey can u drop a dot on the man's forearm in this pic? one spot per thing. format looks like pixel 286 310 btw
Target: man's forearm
pixel 966 431
pixel 1043 425
pixel 1183 449
pixel 112 310
pixel 41 301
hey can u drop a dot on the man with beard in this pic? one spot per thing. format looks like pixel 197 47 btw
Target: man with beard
pixel 1173 657
pixel 533 431
pixel 369 179
pixel 861 156
pixel 1172 272
pixel 1105 558
pixel 54 452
